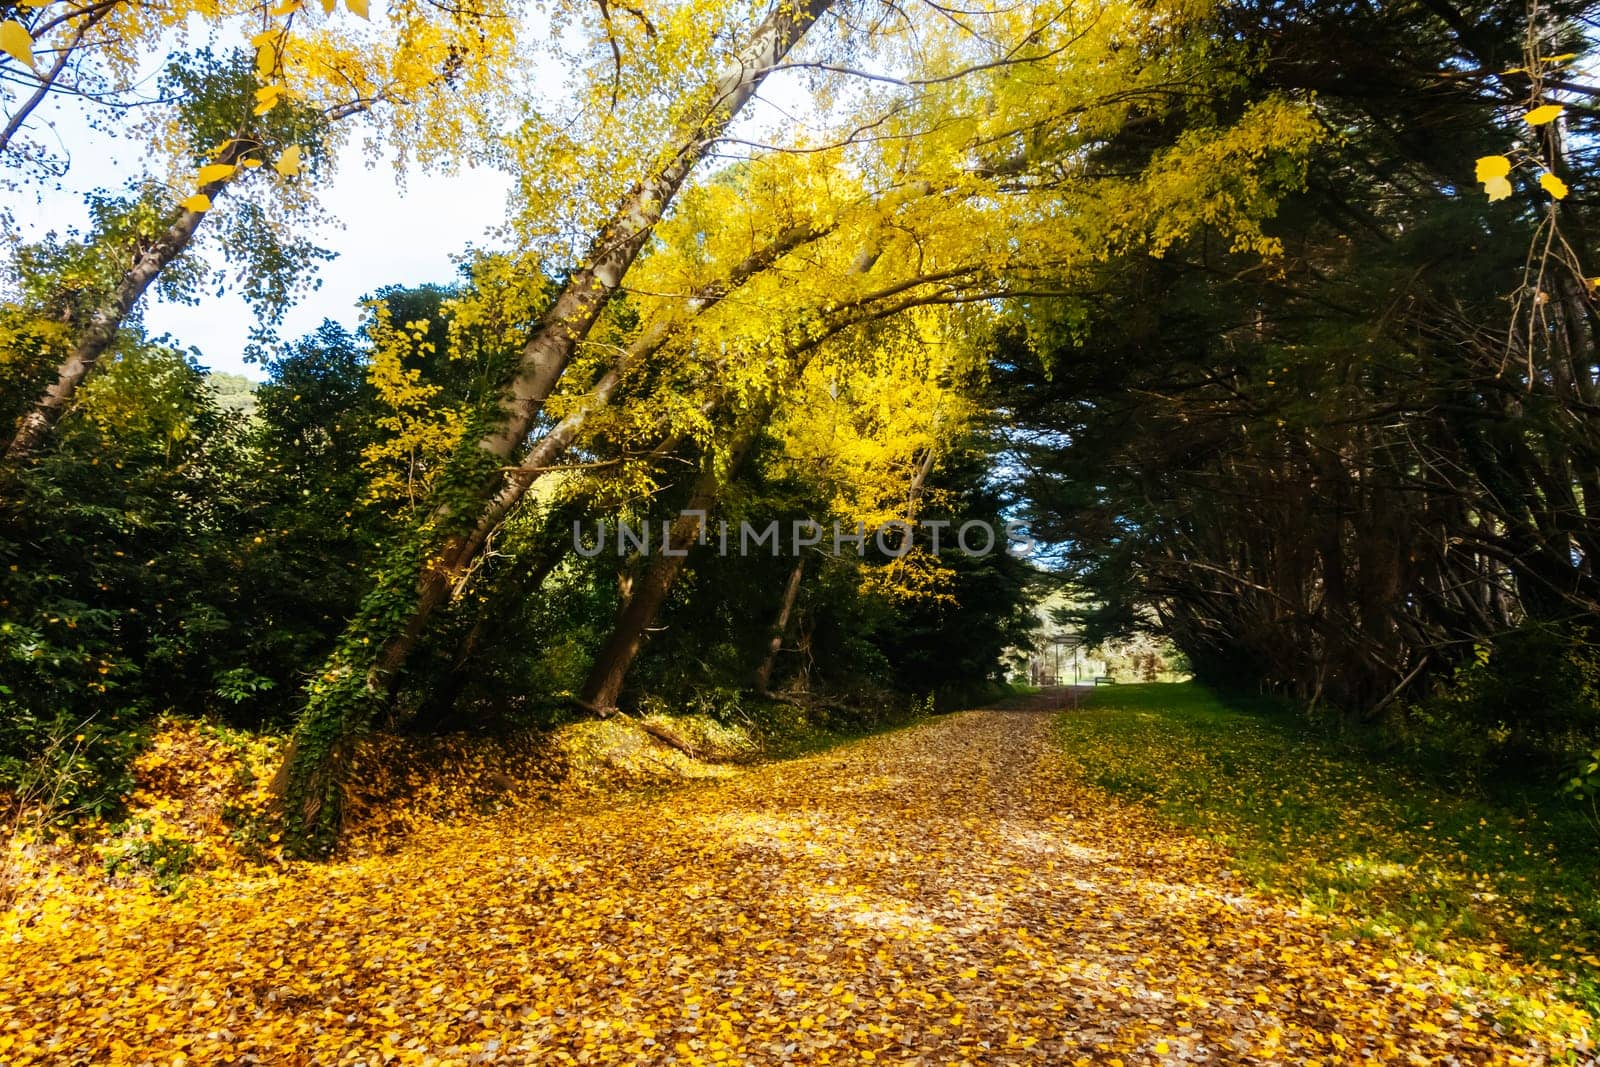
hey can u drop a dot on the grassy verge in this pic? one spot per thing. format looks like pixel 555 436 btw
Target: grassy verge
pixel 1469 879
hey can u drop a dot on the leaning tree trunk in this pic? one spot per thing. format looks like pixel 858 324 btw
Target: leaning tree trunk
pixel 780 626
pixel 101 330
pixel 443 578
pixel 610 669
pixel 348 694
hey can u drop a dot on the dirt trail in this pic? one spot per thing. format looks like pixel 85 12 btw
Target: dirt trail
pixel 939 894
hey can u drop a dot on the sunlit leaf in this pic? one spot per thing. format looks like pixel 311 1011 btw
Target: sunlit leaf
pixel 16 42
pixel 288 164
pixel 216 172
pixel 267 98
pixel 1539 116
pixel 1497 188
pixel 198 202
pixel 1493 167
pixel 1553 185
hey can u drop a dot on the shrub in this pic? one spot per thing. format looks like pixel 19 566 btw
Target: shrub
pixel 1526 706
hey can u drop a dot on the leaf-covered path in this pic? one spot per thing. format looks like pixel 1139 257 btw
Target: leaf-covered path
pixel 940 894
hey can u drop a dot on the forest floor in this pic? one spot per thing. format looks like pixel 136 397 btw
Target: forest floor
pixel 957 891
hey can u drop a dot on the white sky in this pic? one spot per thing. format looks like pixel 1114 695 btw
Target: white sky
pixel 389 237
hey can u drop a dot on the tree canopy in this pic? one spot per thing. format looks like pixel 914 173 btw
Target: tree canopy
pixel 1275 324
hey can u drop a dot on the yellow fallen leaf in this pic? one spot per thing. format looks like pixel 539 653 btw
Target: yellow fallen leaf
pixel 1541 115
pixel 197 202
pixel 16 42
pixel 1553 185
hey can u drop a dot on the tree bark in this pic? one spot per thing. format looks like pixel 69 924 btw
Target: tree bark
pixel 610 669
pixel 780 626
pixel 101 330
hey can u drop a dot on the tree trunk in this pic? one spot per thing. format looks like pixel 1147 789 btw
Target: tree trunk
pixel 780 626
pixel 343 701
pixel 441 582
pixel 97 336
pixel 604 684
pixel 610 669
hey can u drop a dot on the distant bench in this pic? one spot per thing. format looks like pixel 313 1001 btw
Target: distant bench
pixel 1105 679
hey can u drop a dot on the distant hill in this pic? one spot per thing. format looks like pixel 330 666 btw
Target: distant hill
pixel 234 392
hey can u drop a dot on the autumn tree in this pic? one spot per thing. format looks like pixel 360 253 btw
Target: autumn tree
pixel 341 705
pixel 274 109
pixel 941 204
pixel 1347 478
